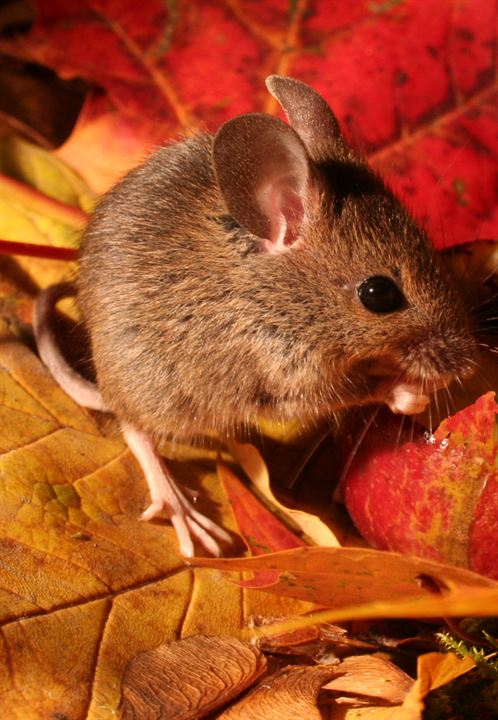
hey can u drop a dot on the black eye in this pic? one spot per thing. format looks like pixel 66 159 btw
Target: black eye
pixel 380 294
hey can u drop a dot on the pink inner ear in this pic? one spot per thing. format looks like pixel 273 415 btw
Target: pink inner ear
pixel 284 209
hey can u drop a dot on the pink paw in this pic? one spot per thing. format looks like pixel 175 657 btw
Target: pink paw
pixel 188 522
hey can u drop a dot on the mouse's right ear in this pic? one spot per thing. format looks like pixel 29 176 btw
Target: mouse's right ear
pixel 263 173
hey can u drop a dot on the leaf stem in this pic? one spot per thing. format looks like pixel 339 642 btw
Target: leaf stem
pixel 19 192
pixel 48 252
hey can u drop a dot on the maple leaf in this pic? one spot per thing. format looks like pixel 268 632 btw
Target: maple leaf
pixel 413 83
pixel 84 585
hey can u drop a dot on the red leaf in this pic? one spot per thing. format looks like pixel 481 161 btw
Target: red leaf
pixel 413 83
pixel 261 529
pixel 434 497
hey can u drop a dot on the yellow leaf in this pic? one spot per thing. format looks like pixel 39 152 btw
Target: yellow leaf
pixel 44 171
pixel 85 586
pixel 42 201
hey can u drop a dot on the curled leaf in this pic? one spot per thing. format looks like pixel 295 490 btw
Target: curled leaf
pixel 254 466
pixel 261 529
pixel 433 671
pixel 364 678
pixel 436 499
pixel 363 583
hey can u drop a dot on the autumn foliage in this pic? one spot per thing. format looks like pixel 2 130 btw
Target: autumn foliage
pixel 85 588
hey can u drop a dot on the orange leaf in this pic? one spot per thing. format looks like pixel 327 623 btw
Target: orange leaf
pixel 433 671
pixel 85 586
pixel 367 677
pixel 357 582
pixel 254 466
pixel 290 693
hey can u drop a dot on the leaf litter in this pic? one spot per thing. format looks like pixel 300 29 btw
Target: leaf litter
pixel 103 587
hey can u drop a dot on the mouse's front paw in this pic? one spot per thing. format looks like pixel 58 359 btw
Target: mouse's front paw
pixel 167 495
pixel 188 522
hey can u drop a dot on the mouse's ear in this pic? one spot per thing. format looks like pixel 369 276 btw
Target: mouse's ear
pixel 263 173
pixel 311 117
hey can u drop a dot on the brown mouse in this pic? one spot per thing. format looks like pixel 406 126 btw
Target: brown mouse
pixel 265 271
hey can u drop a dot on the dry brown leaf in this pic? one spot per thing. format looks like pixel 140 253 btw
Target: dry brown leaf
pixel 364 677
pixel 186 680
pixel 434 670
pixel 288 694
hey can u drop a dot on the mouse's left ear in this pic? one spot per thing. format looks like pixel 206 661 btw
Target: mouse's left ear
pixel 263 172
pixel 311 117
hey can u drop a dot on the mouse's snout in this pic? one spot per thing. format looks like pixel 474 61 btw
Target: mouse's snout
pixel 422 360
pixel 437 357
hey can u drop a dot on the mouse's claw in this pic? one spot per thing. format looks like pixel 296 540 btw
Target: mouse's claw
pixel 187 522
pixel 167 495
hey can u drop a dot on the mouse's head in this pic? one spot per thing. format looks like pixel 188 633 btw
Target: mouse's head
pixel 387 321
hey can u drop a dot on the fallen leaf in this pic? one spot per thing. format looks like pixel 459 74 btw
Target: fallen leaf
pixel 433 671
pixel 260 528
pixel 57 191
pixel 426 114
pixel 319 643
pixel 188 679
pixel 255 468
pixel 85 586
pixel 363 583
pixel 288 694
pixel 436 497
pixel 43 202
pixel 367 677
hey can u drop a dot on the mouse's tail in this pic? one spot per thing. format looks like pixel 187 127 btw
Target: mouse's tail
pixel 80 390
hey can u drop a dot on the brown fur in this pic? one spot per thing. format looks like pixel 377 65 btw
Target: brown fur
pixel 194 329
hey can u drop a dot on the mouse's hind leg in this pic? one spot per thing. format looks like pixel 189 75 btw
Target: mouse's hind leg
pixel 166 494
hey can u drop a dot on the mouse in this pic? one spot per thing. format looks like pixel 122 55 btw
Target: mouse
pixel 264 271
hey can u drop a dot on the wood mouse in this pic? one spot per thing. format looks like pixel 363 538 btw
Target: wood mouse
pixel 265 271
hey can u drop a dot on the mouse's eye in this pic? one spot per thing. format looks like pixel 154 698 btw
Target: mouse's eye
pixel 380 294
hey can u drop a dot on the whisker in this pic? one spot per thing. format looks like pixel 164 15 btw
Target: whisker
pixel 400 430
pixel 412 429
pixel 307 457
pixel 438 410
pixel 431 424
pixel 448 400
pixel 480 373
pixel 357 444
